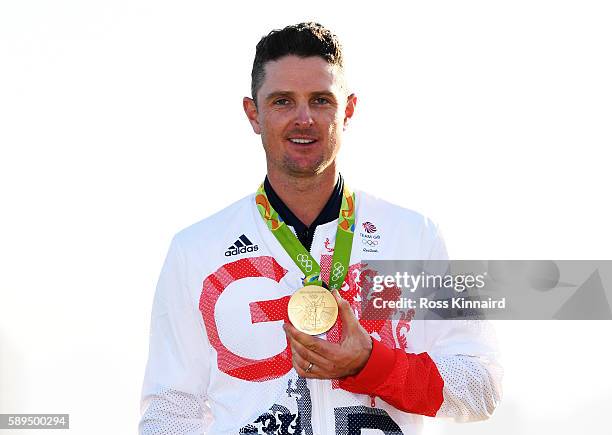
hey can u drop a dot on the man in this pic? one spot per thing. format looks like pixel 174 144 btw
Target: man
pixel 224 357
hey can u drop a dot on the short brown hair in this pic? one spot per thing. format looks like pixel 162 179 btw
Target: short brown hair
pixel 303 40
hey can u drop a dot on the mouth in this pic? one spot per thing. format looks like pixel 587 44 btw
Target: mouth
pixel 302 140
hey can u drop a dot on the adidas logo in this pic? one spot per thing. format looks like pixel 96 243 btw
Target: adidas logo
pixel 240 246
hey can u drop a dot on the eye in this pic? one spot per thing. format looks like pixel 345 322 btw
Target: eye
pixel 281 102
pixel 321 100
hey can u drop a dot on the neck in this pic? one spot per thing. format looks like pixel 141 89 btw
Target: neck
pixel 304 196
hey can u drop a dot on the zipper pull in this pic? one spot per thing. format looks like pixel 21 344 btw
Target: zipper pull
pixel 373 401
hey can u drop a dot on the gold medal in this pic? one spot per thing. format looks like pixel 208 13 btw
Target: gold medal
pixel 313 310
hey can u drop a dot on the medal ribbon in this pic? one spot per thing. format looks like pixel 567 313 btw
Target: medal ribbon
pixel 297 251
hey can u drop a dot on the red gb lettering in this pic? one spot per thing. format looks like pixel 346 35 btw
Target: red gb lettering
pixel 256 370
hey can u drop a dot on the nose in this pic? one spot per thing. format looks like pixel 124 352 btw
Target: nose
pixel 303 116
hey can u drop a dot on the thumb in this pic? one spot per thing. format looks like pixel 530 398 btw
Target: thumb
pixel 345 311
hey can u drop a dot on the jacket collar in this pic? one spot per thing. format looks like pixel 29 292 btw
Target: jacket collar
pixel 328 214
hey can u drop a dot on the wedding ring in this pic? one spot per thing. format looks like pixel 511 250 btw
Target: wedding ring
pixel 309 368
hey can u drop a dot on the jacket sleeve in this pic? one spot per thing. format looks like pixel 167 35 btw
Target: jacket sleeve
pixel 459 376
pixel 173 394
pixel 410 382
pixel 462 380
pixel 465 353
pixel 467 357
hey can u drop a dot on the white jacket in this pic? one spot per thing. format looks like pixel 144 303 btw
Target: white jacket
pixel 218 364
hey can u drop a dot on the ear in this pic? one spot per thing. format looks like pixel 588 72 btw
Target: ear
pixel 351 102
pixel 250 109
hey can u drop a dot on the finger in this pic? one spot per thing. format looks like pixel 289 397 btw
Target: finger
pixel 317 345
pixel 307 354
pixel 309 341
pixel 346 312
pixel 301 367
pixel 303 338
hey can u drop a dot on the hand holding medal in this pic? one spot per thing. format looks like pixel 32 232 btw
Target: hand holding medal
pixel 316 358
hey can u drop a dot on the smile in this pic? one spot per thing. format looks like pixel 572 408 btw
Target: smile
pixel 302 141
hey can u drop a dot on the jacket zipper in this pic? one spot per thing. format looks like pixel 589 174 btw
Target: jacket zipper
pixel 321 383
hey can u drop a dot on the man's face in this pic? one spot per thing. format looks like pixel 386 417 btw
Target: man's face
pixel 301 113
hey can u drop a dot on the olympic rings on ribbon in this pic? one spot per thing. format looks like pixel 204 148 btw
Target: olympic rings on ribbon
pixel 337 271
pixel 305 262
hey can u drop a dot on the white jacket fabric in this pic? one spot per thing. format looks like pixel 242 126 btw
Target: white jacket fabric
pixel 218 362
